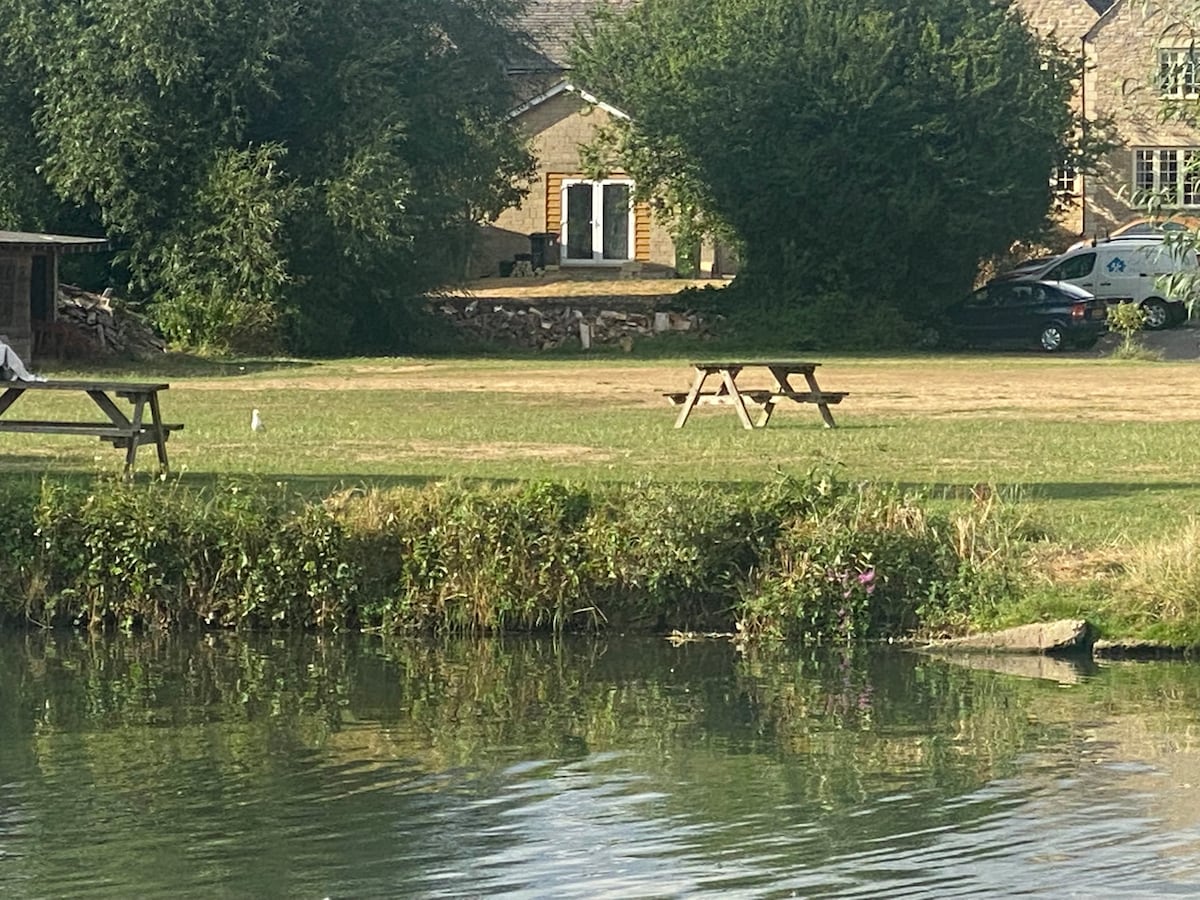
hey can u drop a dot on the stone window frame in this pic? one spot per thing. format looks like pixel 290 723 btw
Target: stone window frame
pixel 1171 172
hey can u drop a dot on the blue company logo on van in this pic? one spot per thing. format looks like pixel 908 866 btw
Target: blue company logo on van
pixel 1116 264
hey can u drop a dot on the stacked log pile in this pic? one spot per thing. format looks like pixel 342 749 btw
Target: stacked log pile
pixel 546 325
pixel 91 325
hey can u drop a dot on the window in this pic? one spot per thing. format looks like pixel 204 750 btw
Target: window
pixel 1177 72
pixel 1173 173
pixel 1012 295
pixel 1065 180
pixel 1076 267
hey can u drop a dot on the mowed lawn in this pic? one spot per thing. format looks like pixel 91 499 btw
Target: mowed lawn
pixel 1097 450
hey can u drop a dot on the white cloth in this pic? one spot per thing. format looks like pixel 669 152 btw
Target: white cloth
pixel 11 367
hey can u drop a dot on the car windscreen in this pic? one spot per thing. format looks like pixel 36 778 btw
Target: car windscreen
pixel 1075 267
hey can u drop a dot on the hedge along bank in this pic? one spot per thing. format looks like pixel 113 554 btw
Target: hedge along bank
pixel 812 558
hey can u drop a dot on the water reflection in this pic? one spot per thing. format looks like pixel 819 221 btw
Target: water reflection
pixel 367 767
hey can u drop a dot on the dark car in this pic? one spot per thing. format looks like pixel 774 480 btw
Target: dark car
pixel 1050 315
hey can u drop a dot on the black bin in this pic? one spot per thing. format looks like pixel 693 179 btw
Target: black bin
pixel 543 249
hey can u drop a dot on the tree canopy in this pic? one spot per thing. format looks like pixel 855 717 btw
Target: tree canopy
pixel 269 168
pixel 867 149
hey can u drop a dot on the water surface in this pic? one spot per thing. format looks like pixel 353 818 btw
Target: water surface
pixel 232 766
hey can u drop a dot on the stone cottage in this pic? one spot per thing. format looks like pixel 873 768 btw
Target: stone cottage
pixel 582 224
pixel 1132 60
pixel 1135 59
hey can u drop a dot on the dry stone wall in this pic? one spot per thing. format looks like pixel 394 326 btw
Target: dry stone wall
pixel 550 324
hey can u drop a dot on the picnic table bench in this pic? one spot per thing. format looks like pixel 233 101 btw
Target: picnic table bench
pixel 729 392
pixel 144 425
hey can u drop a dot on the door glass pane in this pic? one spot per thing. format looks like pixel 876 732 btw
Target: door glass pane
pixel 616 221
pixel 579 221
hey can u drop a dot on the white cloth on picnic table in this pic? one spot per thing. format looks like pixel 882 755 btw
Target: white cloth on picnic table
pixel 11 367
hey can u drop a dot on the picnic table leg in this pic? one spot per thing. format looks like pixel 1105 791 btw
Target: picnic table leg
pixel 102 400
pixel 160 436
pixel 9 398
pixel 134 442
pixel 728 376
pixel 823 407
pixel 692 396
pixel 765 416
pixel 780 376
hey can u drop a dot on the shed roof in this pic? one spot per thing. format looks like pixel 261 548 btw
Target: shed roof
pixel 37 242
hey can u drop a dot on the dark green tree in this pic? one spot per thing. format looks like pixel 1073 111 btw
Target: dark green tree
pixel 868 153
pixel 271 169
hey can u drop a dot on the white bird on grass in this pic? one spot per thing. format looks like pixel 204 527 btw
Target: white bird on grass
pixel 256 422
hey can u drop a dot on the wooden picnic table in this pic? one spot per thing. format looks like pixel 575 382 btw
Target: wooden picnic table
pixel 144 425
pixel 728 392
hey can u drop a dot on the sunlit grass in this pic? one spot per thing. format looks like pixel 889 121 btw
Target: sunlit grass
pixel 1085 476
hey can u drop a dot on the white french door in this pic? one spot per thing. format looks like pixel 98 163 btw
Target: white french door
pixel 597 223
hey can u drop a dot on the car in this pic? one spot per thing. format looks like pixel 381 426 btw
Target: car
pixel 1045 314
pixel 1143 227
pixel 1124 270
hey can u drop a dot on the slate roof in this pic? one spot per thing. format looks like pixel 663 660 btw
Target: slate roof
pixel 550 25
pixel 1100 6
pixel 63 243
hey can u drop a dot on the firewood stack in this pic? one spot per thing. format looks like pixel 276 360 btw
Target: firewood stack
pixel 90 325
pixel 547 325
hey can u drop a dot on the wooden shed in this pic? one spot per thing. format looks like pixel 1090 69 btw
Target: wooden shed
pixel 29 282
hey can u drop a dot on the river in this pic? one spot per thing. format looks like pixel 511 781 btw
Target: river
pixel 234 766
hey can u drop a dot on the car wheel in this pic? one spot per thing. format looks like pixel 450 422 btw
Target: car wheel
pixel 1052 337
pixel 1158 316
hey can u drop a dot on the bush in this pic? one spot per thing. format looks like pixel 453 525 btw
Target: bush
pixel 811 559
pixel 758 316
pixel 872 563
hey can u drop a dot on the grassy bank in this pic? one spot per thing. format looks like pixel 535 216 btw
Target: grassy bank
pixel 812 559
pixel 1096 456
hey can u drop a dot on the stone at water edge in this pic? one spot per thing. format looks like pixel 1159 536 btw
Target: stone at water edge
pixel 1041 637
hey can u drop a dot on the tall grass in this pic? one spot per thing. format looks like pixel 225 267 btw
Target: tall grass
pixel 1160 594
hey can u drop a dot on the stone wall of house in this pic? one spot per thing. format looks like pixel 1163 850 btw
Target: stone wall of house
pixel 558 127
pixel 1067 21
pixel 1125 58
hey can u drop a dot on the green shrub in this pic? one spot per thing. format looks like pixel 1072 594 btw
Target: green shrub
pixel 810 559
pixel 795 319
pixel 1127 319
pixel 872 563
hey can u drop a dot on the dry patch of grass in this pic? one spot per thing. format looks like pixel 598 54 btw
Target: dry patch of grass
pixel 499 450
pixel 1071 565
pixel 557 285
pixel 1019 388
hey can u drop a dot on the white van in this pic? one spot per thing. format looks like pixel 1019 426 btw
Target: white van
pixel 1125 270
